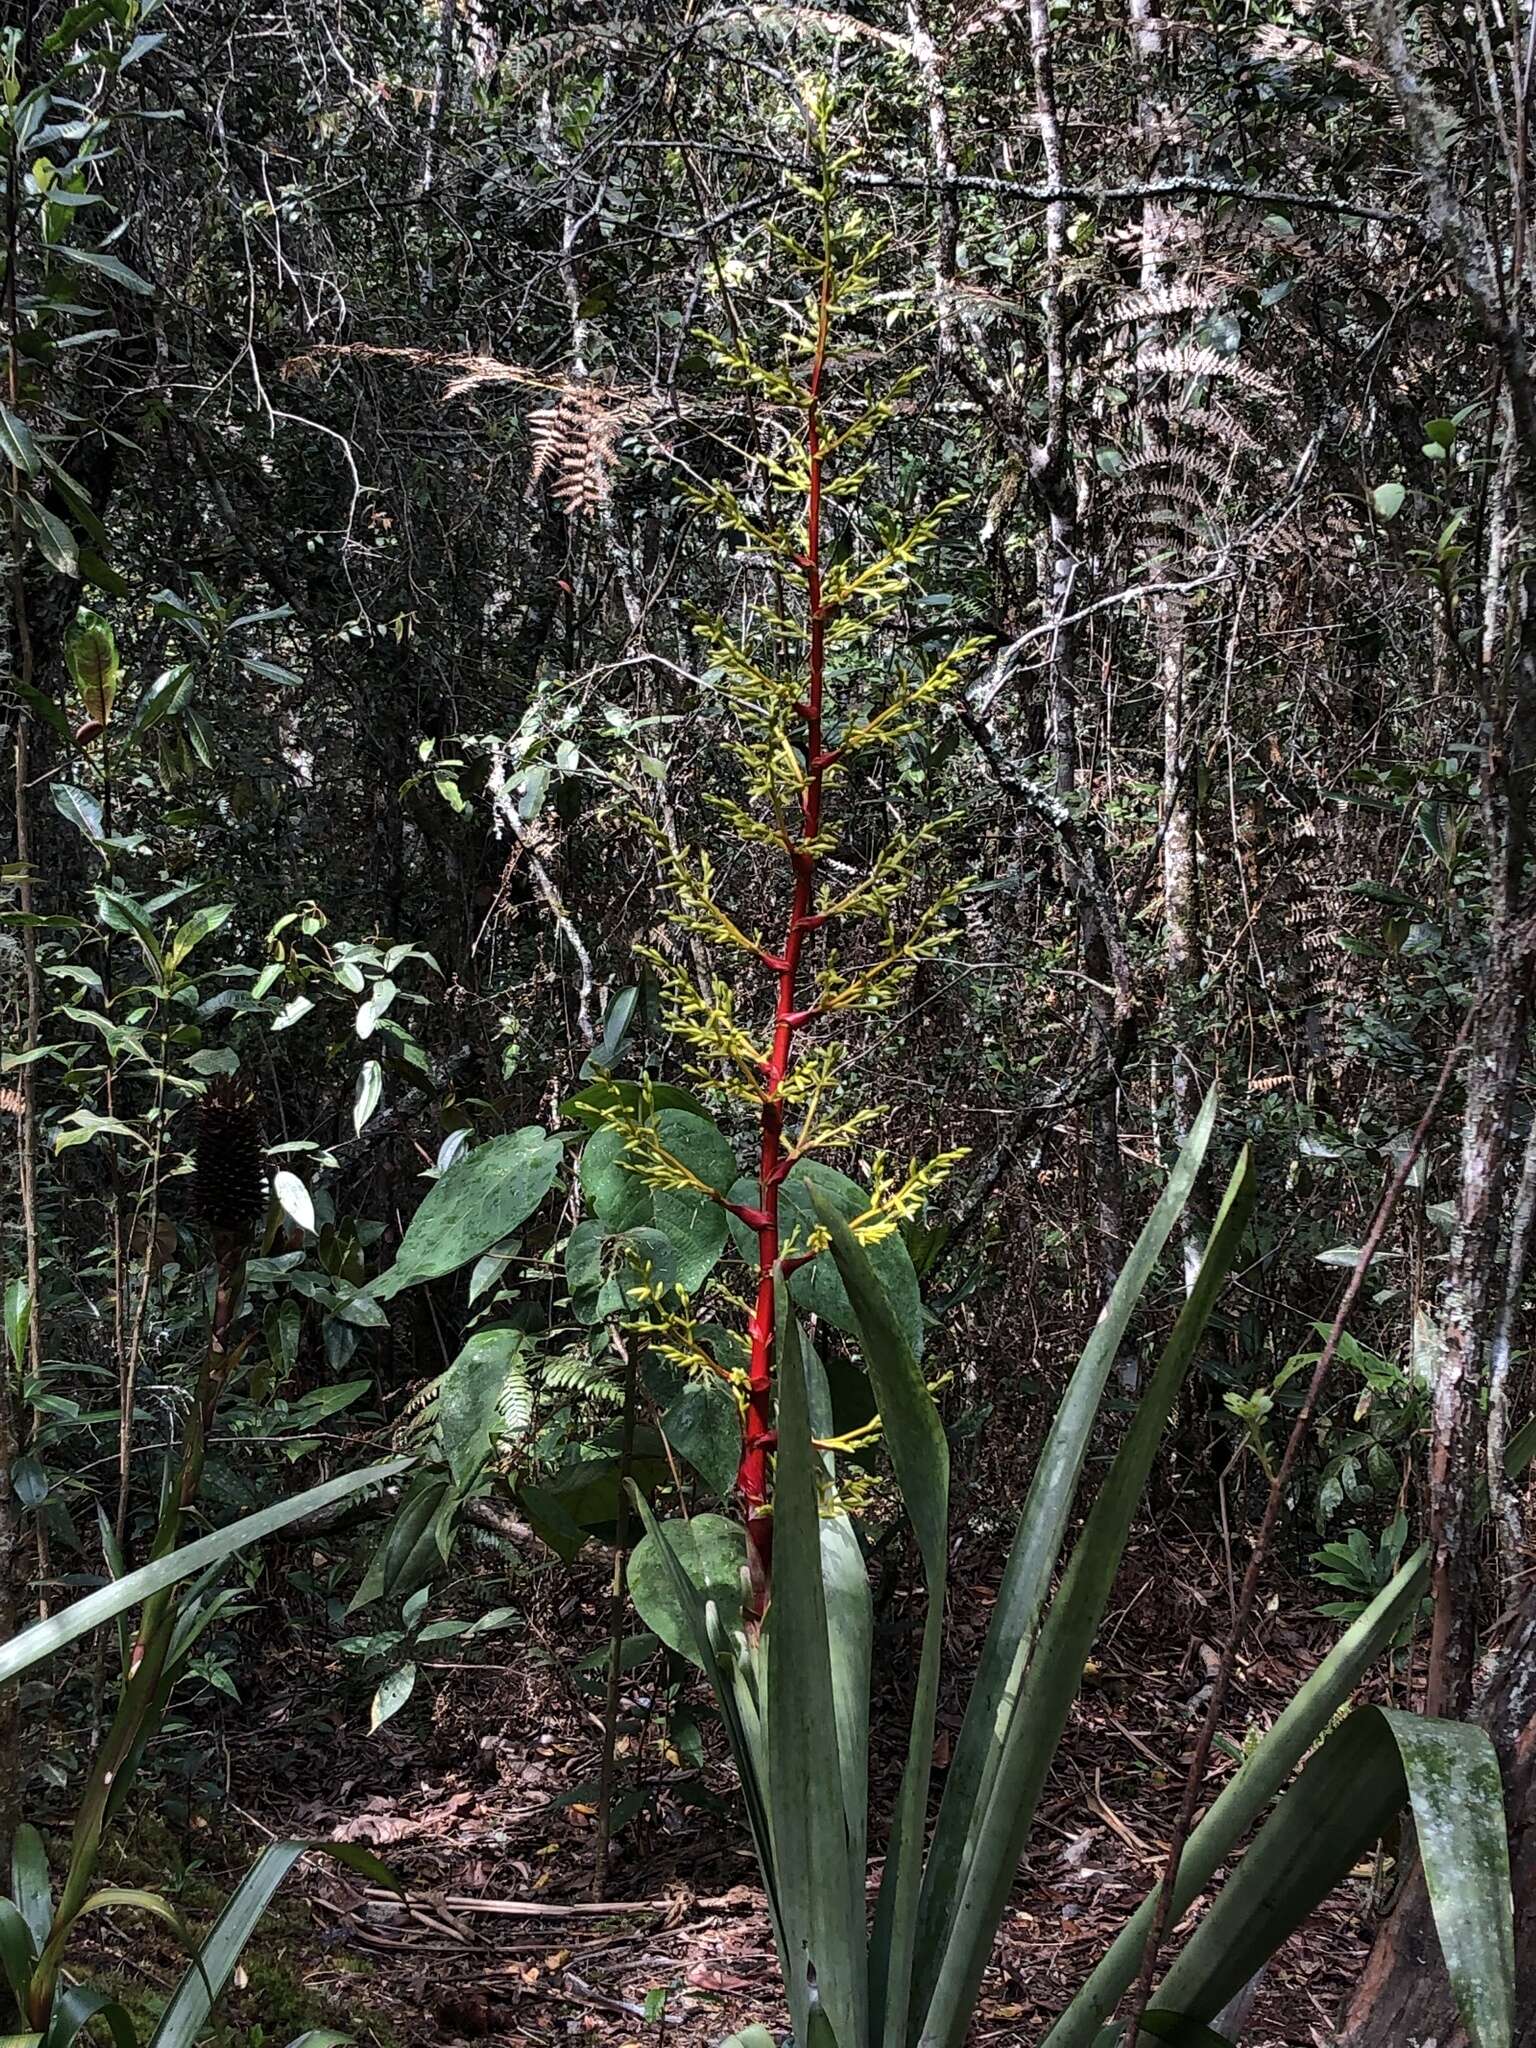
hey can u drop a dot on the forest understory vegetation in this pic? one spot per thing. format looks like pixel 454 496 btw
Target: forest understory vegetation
pixel 767 934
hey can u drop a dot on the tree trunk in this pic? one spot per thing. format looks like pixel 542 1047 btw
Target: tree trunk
pixel 1404 1998
pixel 1170 244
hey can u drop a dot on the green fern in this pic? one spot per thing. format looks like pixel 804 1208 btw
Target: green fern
pixel 581 1378
pixel 484 1398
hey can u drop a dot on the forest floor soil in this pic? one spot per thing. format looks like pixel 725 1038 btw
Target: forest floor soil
pixel 479 1798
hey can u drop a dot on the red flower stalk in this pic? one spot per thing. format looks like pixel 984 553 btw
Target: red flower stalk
pixel 758 1435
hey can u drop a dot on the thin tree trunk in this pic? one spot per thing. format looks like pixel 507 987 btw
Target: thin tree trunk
pixel 1054 478
pixel 1506 1505
pixel 1165 234
pixel 1506 706
pixel 12 1555
pixel 617 1610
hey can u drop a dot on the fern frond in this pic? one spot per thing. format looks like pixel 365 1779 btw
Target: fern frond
pixel 579 1378
pixel 1160 302
pixel 1185 360
pixel 576 443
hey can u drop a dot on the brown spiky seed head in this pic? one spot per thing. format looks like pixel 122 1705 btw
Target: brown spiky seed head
pixel 231 1181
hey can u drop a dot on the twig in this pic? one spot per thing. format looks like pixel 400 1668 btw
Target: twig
pixel 616 1614
pixel 571 1909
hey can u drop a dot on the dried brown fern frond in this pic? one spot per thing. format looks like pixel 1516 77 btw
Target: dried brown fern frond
pixel 1168 491
pixel 829 21
pixel 470 370
pixel 576 443
pixel 978 300
pixel 991 16
pixel 11 1103
pixel 1270 43
pixel 608 38
pixel 1221 422
pixel 575 437
pixel 1156 461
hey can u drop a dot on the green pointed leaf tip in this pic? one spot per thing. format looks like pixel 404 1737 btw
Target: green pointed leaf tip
pixel 1347 1794
pixel 45 1638
pixel 18 1318
pixel 1020 1605
pixel 1032 1727
pixel 188 2009
pixel 818 1288
pixel 1457 1796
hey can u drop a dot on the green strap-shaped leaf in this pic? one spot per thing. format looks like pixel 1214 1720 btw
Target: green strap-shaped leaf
pixel 1337 1808
pixel 31 1887
pixel 1051 1684
pixel 850 1635
pixel 187 2010
pixel 74 2010
pixel 824 1940
pixel 18 1952
pixel 1166 2026
pixel 914 1437
pixel 1457 1794
pixel 1015 1623
pixel 44 1638
pixel 1261 1777
pixel 755 2036
pixel 138 1901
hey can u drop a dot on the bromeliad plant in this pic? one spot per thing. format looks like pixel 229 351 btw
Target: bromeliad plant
pixel 912 1980
pixel 778 1615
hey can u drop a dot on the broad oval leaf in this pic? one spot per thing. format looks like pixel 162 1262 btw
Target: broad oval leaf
pixel 82 810
pixel 395 1688
pixel 18 1318
pixel 692 1221
pixel 202 924
pixel 294 1199
pixel 17 446
pixel 90 651
pixel 367 1094
pixel 481 1199
pixel 484 1395
pixel 819 1286
pixel 711 1552
pixel 1387 500
pixel 164 697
